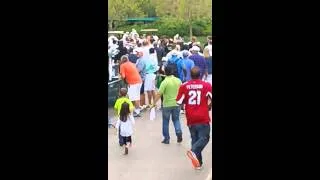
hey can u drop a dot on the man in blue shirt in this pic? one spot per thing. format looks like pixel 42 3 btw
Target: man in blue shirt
pixel 141 66
pixel 199 61
pixel 189 64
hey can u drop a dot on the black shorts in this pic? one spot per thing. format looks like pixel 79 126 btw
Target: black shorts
pixel 142 88
pixel 124 140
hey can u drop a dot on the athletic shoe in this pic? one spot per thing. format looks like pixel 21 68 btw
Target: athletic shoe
pixel 142 108
pixel 193 158
pixel 165 141
pixel 179 140
pixel 181 111
pixel 199 168
pixel 126 150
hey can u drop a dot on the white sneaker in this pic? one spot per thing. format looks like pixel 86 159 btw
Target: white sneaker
pixel 143 107
pixel 198 168
pixel 182 111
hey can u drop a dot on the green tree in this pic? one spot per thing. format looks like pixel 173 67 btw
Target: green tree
pixel 186 10
pixel 121 9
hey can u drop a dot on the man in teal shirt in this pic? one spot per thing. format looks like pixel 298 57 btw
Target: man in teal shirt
pixel 169 88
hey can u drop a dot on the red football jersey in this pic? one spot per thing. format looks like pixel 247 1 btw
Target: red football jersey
pixel 194 94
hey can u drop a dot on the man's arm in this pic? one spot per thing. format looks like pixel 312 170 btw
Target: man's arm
pixel 180 97
pixel 122 72
pixel 140 65
pixel 158 96
pixel 132 119
pixel 209 96
pixel 160 92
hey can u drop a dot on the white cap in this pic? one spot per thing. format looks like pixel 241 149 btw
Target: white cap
pixel 195 48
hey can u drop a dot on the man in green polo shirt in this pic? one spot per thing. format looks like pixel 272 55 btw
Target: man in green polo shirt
pixel 169 88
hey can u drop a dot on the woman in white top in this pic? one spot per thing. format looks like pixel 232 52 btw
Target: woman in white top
pixel 124 126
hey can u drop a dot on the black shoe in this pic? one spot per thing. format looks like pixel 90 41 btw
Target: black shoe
pixel 179 140
pixel 126 151
pixel 165 141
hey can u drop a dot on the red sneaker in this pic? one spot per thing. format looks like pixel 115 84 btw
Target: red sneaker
pixel 193 158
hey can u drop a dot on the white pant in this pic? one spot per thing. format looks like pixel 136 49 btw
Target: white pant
pixel 150 82
pixel 134 91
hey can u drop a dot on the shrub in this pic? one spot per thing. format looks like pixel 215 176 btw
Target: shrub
pixel 172 26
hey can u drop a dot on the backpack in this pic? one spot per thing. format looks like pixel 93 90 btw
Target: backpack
pixel 172 62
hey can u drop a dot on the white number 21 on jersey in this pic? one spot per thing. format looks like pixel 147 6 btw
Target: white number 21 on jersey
pixel 195 97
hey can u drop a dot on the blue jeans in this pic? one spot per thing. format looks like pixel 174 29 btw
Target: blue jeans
pixel 200 135
pixel 175 113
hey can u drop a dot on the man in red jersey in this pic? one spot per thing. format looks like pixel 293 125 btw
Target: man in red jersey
pixel 196 95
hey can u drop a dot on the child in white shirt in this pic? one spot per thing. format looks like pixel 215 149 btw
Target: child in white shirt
pixel 125 126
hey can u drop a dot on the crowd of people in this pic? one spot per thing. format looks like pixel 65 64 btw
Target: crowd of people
pixel 178 73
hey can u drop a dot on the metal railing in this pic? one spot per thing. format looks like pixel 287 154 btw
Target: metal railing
pixel 112 82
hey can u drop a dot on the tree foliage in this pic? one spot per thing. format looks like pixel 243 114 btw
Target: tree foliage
pixel 184 13
pixel 121 9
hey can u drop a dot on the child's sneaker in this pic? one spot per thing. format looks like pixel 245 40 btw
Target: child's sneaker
pixel 193 158
pixel 126 150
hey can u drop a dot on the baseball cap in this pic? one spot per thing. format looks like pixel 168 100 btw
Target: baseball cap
pixel 185 53
pixel 195 48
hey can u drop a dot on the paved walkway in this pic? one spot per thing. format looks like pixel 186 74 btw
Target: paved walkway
pixel 149 159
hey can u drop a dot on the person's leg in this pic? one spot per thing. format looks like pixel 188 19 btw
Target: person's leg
pixel 126 145
pixel 165 124
pixel 130 141
pixel 193 134
pixel 142 95
pixel 175 111
pixel 150 86
pixel 137 104
pixel 149 97
pixel 153 89
pixel 135 90
pixel 203 132
pixel 121 141
pixel 153 95
pixel 190 153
